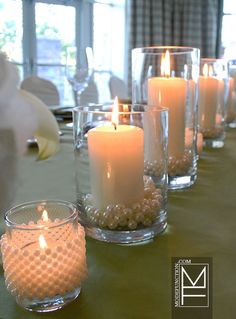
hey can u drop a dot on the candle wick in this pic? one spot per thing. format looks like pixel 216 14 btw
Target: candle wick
pixel 115 126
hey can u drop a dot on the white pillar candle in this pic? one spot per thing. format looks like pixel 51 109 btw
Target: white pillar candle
pixel 230 106
pixel 171 93
pixel 208 101
pixel 211 95
pixel 116 158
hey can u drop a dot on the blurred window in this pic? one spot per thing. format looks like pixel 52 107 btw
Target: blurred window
pixel 35 34
pixel 108 41
pixel 11 31
pixel 228 40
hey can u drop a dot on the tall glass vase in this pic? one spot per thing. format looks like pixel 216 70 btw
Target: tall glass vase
pixel 214 89
pixel 167 77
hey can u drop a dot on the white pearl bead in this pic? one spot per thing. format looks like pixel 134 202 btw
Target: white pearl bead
pixel 132 224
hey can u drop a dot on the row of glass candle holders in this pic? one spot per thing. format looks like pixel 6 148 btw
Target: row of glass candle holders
pixel 123 171
pixel 124 166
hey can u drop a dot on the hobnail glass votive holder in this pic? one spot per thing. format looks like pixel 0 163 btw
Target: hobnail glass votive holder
pixel 119 199
pixel 167 76
pixel 43 253
pixel 213 93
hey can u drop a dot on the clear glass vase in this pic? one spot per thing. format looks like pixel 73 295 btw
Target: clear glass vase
pixel 213 94
pixel 230 117
pixel 167 77
pixel 121 184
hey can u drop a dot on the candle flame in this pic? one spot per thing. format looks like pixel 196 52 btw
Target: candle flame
pixel 115 113
pixel 45 216
pixel 207 70
pixel 109 171
pixel 125 108
pixel 165 64
pixel 159 97
pixel 210 71
pixel 42 242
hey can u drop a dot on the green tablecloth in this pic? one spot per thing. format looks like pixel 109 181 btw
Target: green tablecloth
pixel 135 281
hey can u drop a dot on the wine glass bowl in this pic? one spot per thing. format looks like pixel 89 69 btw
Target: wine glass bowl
pixel 79 79
pixel 78 75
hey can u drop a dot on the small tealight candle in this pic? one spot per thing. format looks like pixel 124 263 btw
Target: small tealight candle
pixel 44 260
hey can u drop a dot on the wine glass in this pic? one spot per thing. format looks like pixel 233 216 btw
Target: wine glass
pixel 77 74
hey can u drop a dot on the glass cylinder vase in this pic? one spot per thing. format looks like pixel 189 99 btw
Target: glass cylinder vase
pixel 230 116
pixel 119 201
pixel 213 95
pixel 168 76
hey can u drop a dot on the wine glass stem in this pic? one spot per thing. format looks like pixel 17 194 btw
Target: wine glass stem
pixel 77 98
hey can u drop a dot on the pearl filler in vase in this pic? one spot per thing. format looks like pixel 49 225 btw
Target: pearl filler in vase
pixel 43 252
pixel 117 201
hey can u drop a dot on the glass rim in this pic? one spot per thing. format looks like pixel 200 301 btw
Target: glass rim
pixel 34 227
pixel 80 109
pixel 159 49
pixel 214 60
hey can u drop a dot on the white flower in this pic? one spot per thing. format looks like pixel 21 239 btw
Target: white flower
pixel 25 114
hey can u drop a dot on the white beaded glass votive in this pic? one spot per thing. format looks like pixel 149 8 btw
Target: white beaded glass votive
pixel 43 252
pixel 121 192
pixel 167 76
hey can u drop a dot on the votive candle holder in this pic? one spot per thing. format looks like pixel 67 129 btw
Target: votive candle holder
pixel 43 253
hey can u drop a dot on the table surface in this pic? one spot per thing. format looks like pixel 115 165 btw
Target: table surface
pixel 135 281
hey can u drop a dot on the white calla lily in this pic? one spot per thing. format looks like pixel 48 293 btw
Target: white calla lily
pixel 47 131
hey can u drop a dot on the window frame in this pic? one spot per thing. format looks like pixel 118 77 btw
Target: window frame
pixel 29 64
pixel 83 21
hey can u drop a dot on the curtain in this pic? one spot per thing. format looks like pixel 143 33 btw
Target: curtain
pixel 195 23
pixel 176 22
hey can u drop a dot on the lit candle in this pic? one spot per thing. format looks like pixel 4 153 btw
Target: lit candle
pixel 171 93
pixel 116 159
pixel 210 91
pixel 230 107
pixel 44 259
